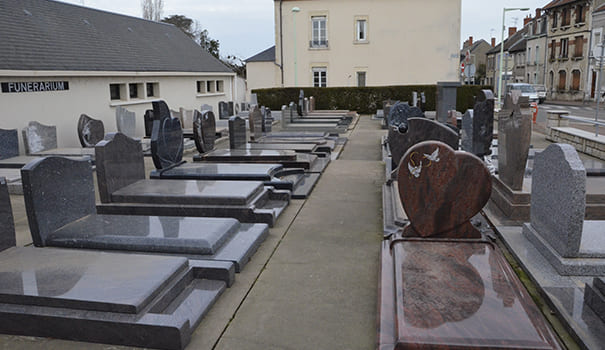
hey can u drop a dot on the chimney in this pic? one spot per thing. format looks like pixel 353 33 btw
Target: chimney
pixel 511 31
pixel 493 42
pixel 470 41
pixel 538 13
pixel 526 20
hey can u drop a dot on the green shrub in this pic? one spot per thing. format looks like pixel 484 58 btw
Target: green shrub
pixel 364 100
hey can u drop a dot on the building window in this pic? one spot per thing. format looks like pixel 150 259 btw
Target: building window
pixel 563 48
pixel 575 80
pixel 219 86
pixel 210 86
pixel 201 87
pixel 579 14
pixel 319 36
pixel 537 55
pixel 134 89
pixel 562 80
pixel 551 78
pixel 362 30
pixel 535 78
pixel 153 89
pixel 565 17
pixel 553 47
pixel 554 19
pixel 115 92
pixel 528 55
pixel 579 47
pixel 361 79
pixel 320 76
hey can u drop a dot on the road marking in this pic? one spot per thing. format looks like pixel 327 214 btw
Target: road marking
pixel 574 108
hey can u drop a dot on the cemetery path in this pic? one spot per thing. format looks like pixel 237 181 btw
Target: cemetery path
pixel 318 289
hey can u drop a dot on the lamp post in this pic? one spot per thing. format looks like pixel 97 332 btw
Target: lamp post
pixel 504 11
pixel 294 11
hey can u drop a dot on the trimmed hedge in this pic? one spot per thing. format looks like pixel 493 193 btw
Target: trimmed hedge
pixel 364 100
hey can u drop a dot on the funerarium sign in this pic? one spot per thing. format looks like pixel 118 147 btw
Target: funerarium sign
pixel 35 86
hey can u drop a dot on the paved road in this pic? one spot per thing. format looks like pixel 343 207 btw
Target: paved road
pixel 579 111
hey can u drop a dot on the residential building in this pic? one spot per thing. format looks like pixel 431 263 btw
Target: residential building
pixel 513 61
pixel 477 51
pixel 261 70
pixel 60 60
pixel 361 43
pixel 535 67
pixel 597 50
pixel 567 66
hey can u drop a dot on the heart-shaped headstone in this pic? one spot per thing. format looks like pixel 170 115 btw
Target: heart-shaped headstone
pixel 166 137
pixel 441 189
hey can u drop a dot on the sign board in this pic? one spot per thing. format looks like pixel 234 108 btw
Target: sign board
pixel 467 56
pixel 34 86
pixel 462 67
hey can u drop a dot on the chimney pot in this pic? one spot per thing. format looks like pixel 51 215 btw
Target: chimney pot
pixel 538 13
pixel 470 40
pixel 526 20
pixel 511 31
pixel 493 42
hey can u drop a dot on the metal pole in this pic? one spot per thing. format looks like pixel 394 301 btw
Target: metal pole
pixel 295 60
pixel 596 116
pixel 501 54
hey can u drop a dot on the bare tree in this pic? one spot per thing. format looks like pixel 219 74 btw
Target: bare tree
pixel 152 9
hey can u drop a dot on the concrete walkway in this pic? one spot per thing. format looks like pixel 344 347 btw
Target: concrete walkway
pixel 312 284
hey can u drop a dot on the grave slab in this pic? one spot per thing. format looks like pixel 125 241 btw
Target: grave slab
pixel 124 190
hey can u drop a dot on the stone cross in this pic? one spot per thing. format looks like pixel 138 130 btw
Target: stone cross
pixel 237 133
pixel 433 182
pixel 126 121
pixel 90 131
pixel 39 137
pixel 514 136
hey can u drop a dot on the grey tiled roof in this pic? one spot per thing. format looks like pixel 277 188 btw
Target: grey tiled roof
pixel 266 56
pixel 51 35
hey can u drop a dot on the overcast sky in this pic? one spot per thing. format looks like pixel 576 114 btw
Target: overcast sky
pixel 245 27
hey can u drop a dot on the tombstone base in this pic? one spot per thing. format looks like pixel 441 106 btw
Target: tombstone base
pixel 588 263
pixel 514 204
pixel 442 295
pixel 463 231
pixel 393 215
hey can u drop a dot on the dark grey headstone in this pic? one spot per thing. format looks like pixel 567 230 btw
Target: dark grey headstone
pixel 400 112
pixel 301 102
pixel 148 118
pixel 466 133
pixel 90 131
pixel 419 129
pixel 9 143
pixel 126 121
pixel 558 198
pixel 7 224
pixel 293 112
pixel 446 99
pixel 514 136
pixel 267 120
pixel 166 137
pixel 237 133
pixel 204 131
pixel 483 123
pixel 205 107
pixel 223 110
pixel 56 191
pixel 119 160
pixel 253 99
pixel 39 137
pixel 231 109
pixel 255 121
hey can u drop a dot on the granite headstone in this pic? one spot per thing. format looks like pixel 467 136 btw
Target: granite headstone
pixel 311 104
pixel 39 137
pixel 148 119
pixel 255 121
pixel 301 103
pixel 433 186
pixel 419 129
pixel 446 99
pixel 7 236
pixel 230 109
pixel 253 99
pixel 90 131
pixel 306 107
pixel 267 121
pixel 514 136
pixel 205 107
pixel 223 110
pixel 237 133
pixel 483 123
pixel 466 133
pixel 166 137
pixel 204 131
pixel 186 118
pixel 126 121
pixel 400 112
pixel 9 143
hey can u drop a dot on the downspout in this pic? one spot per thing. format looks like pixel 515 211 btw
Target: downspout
pixel 281 43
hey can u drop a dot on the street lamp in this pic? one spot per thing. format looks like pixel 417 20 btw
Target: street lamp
pixel 504 11
pixel 294 11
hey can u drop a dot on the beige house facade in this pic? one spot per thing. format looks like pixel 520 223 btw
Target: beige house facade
pixel 362 43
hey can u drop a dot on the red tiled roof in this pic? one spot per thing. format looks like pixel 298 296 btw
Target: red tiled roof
pixel 557 3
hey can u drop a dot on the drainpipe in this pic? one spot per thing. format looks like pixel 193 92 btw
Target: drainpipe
pixel 281 43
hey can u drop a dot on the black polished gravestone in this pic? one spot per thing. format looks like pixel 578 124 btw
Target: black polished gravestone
pixel 483 123
pixel 255 122
pixel 90 131
pixel 103 297
pixel 418 130
pixel 166 137
pixel 9 143
pixel 237 132
pixel 204 130
pixel 148 119
pixel 223 110
pixel 124 190
pixel 295 180
pixel 400 112
pixel 60 203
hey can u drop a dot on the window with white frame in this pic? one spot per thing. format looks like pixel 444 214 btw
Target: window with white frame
pixel 320 76
pixel 210 86
pixel 361 30
pixel 319 35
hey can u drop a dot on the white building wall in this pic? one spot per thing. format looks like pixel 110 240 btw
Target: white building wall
pixel 90 95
